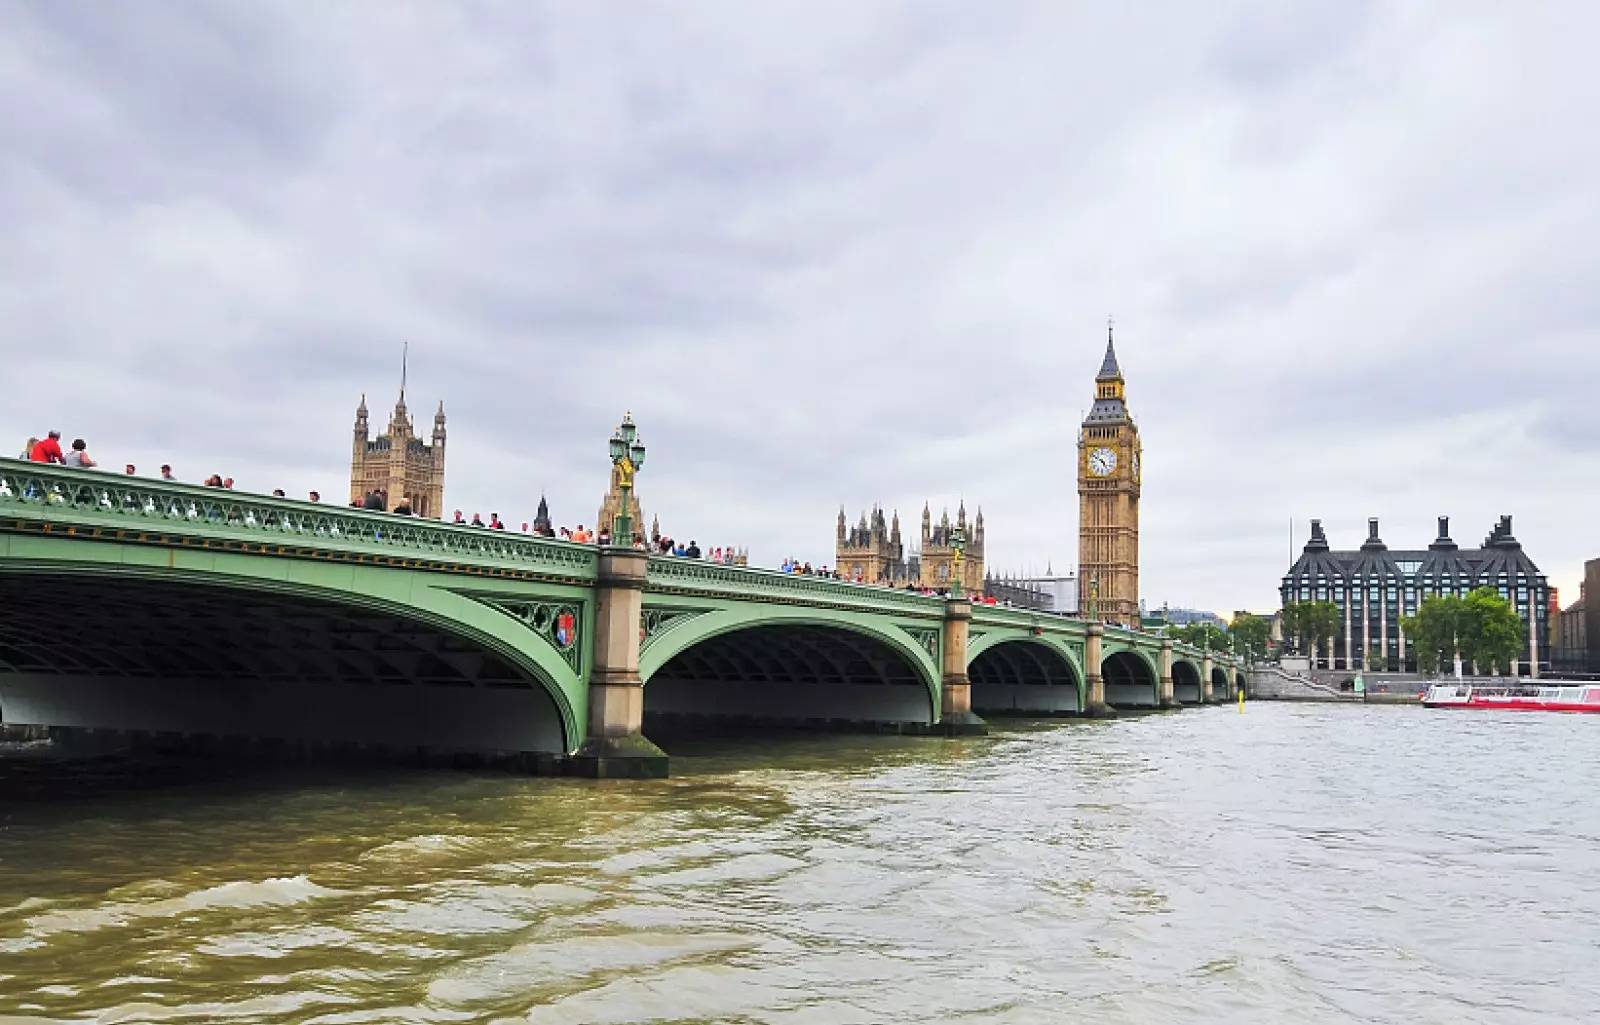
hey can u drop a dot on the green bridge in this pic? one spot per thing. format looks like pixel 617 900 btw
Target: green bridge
pixel 140 611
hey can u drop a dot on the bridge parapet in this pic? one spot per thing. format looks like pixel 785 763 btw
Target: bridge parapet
pixel 36 497
pixel 994 615
pixel 671 574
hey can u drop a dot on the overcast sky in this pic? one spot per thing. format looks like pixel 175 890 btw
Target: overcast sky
pixel 828 254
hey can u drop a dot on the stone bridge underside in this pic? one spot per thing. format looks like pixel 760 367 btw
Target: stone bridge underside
pixel 1185 683
pixel 789 675
pixel 141 656
pixel 1023 678
pixel 1130 682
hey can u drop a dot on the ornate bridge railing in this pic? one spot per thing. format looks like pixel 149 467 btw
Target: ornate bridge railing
pixel 998 615
pixel 690 576
pixel 42 498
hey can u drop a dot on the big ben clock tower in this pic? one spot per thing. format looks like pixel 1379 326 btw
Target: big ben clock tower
pixel 1108 500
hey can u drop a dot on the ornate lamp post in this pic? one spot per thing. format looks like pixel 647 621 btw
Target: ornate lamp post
pixel 958 550
pixel 627 455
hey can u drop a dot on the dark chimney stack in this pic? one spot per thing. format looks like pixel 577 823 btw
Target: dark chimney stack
pixel 1442 543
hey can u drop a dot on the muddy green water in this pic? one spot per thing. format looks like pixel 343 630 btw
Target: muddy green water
pixel 1291 864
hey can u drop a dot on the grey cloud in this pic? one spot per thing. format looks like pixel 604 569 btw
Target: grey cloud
pixel 826 255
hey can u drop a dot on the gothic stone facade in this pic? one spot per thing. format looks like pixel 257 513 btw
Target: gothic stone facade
pixel 874 552
pixel 399 462
pixel 1108 500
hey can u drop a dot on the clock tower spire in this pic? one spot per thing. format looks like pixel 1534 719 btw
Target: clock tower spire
pixel 1108 495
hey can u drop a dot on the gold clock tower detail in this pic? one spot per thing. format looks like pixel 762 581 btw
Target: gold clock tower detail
pixel 1108 500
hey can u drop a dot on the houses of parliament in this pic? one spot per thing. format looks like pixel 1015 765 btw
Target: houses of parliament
pixel 1110 479
pixel 873 551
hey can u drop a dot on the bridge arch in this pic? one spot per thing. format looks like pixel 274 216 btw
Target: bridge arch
pixel 1220 679
pixel 789 666
pixel 1024 676
pixel 257 655
pixel 1185 682
pixel 1131 679
pixel 1239 683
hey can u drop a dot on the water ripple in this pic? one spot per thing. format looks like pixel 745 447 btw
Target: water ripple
pixel 1291 864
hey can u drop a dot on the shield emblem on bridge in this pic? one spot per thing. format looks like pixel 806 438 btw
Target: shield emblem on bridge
pixel 564 628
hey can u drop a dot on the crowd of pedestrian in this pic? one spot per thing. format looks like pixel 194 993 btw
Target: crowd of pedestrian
pixel 48 450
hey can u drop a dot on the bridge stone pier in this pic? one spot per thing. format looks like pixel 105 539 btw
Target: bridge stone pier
pixel 146 613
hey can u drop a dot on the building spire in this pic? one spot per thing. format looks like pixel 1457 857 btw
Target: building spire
pixel 1109 370
pixel 405 358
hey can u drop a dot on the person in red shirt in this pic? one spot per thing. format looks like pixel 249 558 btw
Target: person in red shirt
pixel 49 450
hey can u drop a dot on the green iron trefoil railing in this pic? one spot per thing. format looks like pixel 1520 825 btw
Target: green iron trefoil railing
pixel 47 493
pixel 668 572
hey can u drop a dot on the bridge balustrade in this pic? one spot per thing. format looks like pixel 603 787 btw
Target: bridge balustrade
pixel 675 574
pixel 84 502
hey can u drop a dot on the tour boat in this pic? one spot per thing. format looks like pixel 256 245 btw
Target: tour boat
pixel 1583 697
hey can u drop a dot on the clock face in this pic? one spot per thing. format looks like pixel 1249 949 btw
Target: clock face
pixel 1102 461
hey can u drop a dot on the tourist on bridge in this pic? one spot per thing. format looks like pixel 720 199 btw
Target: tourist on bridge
pixel 494 522
pixel 605 537
pixel 48 450
pixel 404 508
pixel 693 551
pixel 459 520
pixel 477 520
pixel 374 500
pixel 128 470
pixel 166 472
pixel 79 456
pixel 314 497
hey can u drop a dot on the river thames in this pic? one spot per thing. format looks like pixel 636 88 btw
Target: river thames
pixel 1292 863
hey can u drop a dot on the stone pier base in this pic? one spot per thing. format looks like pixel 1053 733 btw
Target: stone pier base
pixel 627 757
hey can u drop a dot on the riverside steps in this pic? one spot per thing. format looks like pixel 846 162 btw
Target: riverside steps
pixel 222 620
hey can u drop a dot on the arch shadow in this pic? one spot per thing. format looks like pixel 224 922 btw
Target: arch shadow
pixel 1024 678
pixel 147 654
pixel 1240 684
pixel 794 673
pixel 1185 682
pixel 1130 680
pixel 1219 683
